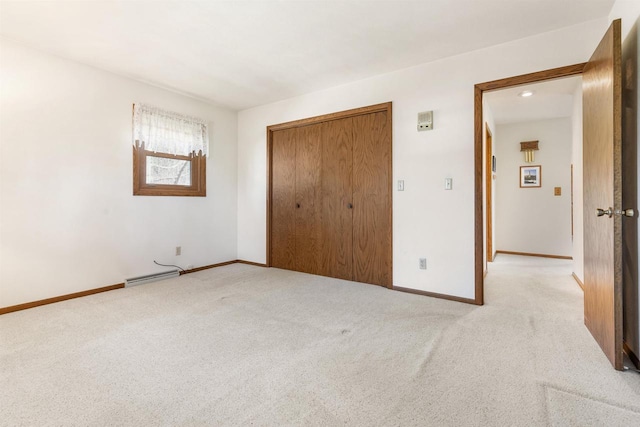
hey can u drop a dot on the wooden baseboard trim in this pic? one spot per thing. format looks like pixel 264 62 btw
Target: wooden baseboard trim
pixel 257 264
pixel 221 264
pixel 435 295
pixel 578 280
pixel 11 309
pixel 206 267
pixel 33 304
pixel 631 354
pixel 537 255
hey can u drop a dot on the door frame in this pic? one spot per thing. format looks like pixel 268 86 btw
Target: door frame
pixel 489 190
pixel 377 108
pixel 479 89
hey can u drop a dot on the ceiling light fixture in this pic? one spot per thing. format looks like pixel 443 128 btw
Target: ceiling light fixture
pixel 526 93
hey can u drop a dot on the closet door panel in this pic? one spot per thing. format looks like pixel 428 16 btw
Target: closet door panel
pixel 308 211
pixel 337 191
pixel 283 193
pixel 372 199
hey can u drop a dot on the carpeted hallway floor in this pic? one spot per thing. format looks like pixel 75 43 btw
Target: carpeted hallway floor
pixel 244 345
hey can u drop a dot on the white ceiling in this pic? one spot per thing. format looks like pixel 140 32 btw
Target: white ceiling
pixel 552 99
pixel 242 54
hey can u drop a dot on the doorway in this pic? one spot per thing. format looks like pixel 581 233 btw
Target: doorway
pixel 607 212
pixel 537 128
pixel 480 89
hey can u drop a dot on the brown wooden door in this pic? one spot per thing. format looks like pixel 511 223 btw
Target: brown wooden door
pixel 372 199
pixel 283 199
pixel 308 195
pixel 337 199
pixel 601 85
pixel 330 195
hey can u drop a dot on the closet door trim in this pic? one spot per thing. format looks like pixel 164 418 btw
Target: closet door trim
pixel 384 107
pixel 332 116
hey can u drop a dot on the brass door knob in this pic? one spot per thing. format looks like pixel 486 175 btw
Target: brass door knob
pixel 602 212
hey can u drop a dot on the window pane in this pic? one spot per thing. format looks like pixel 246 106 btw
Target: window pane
pixel 168 171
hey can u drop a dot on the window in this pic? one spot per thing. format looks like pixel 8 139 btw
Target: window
pixel 169 153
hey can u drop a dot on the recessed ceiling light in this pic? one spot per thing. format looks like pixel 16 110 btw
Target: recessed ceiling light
pixel 526 93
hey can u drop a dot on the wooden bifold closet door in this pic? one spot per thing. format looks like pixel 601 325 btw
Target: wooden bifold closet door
pixel 330 198
pixel 372 195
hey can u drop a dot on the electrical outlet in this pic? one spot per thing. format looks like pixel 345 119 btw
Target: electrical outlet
pixel 178 250
pixel 423 263
pixel 401 185
pixel 448 183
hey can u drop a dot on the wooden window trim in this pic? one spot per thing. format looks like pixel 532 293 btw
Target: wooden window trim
pixel 198 187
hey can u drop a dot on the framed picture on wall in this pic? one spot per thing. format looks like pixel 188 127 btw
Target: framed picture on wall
pixel 530 176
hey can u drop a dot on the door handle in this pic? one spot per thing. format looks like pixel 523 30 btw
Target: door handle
pixel 349 205
pixel 626 212
pixel 602 212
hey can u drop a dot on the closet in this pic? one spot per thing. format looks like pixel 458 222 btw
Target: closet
pixel 330 195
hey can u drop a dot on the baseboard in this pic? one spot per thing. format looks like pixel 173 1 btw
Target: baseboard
pixel 578 280
pixel 26 305
pixel 537 255
pixel 632 356
pixel 206 267
pixel 221 264
pixel 33 304
pixel 257 264
pixel 435 295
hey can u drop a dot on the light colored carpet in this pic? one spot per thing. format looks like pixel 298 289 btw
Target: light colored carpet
pixel 244 345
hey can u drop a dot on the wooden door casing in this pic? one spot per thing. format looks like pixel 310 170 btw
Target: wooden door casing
pixel 601 82
pixel 372 200
pixel 489 185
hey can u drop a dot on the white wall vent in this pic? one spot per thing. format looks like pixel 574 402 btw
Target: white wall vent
pixel 425 121
pixel 151 278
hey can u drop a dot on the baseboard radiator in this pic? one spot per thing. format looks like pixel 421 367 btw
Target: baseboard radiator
pixel 140 280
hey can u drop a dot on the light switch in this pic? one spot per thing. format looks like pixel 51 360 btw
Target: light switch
pixel 448 183
pixel 401 185
pixel 557 191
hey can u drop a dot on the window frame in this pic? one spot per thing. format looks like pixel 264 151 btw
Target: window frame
pixel 198 187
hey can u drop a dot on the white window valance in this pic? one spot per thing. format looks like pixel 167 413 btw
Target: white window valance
pixel 167 132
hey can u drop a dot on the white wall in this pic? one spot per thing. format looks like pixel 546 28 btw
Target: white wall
pixel 628 11
pixel 427 220
pixel 576 161
pixel 533 220
pixel 68 219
